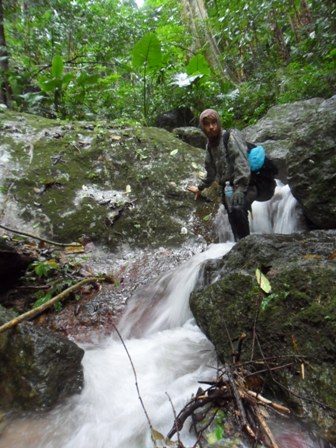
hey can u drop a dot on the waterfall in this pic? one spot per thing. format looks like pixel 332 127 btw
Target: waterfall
pixel 281 214
pixel 169 354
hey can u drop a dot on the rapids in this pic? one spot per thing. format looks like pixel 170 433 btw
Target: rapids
pixel 169 354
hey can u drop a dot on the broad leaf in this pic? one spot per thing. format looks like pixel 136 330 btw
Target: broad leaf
pixel 263 281
pixel 85 79
pixel 57 66
pixel 48 85
pixel 147 52
pixel 198 65
pixel 67 78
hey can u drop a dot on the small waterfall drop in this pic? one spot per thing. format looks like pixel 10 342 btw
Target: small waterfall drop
pixel 281 214
pixel 169 353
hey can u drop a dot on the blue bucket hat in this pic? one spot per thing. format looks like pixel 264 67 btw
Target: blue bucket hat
pixel 256 157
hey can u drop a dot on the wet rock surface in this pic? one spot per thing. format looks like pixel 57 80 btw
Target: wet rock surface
pixel 38 369
pixel 293 321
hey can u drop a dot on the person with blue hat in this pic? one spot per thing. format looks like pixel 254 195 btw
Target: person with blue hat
pixel 228 164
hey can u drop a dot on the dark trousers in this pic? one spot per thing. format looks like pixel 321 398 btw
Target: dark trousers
pixel 238 215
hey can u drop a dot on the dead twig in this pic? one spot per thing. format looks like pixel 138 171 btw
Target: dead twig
pixel 210 396
pixel 174 412
pixel 240 407
pixel 137 386
pixel 43 240
pixel 265 430
pixel 259 398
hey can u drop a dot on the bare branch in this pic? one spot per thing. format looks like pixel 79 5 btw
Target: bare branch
pixel 136 385
pixel 54 243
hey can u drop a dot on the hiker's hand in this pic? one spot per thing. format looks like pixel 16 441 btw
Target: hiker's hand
pixel 195 190
pixel 238 198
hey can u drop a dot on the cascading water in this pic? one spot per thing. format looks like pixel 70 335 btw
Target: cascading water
pixel 169 354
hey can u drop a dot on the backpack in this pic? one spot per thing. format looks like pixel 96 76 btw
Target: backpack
pixel 263 169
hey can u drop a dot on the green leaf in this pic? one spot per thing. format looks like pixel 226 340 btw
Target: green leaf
pixel 42 268
pixel 263 281
pixel 157 435
pixel 198 65
pixel 147 52
pixel 42 299
pixel 219 431
pixel 266 301
pixel 84 79
pixel 57 66
pixel 211 438
pixel 48 85
pixel 67 78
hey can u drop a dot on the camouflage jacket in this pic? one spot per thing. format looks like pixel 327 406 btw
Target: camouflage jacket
pixel 231 165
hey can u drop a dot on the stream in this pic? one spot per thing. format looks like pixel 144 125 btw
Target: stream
pixel 169 354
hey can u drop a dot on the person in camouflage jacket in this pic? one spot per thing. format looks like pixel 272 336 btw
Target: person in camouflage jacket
pixel 231 165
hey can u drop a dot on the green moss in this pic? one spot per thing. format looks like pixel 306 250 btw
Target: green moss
pixel 58 160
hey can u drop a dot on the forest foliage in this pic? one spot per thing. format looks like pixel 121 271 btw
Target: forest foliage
pixel 110 59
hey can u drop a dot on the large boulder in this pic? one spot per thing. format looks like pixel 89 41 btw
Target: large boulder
pixel 116 186
pixel 37 368
pixel 283 127
pixel 311 165
pixel 191 135
pixel 175 118
pixel 295 321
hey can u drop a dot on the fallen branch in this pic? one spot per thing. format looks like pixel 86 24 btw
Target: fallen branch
pixel 237 395
pixel 265 430
pixel 43 240
pixel 265 401
pixel 230 392
pixel 61 296
pixel 197 402
pixel 175 419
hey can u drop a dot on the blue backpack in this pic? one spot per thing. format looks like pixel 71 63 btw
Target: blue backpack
pixel 263 169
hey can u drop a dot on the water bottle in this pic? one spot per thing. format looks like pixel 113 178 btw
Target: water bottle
pixel 228 193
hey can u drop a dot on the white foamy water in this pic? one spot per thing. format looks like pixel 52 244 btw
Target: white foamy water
pixel 281 214
pixel 169 353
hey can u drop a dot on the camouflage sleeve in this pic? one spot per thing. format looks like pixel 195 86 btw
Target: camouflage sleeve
pixel 210 172
pixel 241 168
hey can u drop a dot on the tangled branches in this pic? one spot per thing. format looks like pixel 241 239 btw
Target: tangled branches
pixel 232 391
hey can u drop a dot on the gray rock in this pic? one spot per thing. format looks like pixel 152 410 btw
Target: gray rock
pixel 175 118
pixel 295 321
pixel 278 130
pixel 191 135
pixel 37 368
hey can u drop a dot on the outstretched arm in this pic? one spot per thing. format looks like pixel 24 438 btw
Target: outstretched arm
pixel 195 190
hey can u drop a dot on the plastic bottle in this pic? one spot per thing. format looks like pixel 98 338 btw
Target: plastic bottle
pixel 228 193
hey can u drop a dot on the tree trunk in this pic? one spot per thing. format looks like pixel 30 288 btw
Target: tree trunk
pixel 196 16
pixel 301 19
pixel 279 37
pixel 305 15
pixel 5 90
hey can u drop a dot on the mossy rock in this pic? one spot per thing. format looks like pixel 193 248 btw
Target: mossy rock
pixel 115 185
